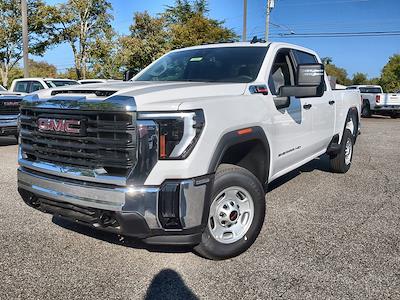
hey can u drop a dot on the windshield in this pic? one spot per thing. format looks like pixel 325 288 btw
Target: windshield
pixel 226 64
pixel 57 83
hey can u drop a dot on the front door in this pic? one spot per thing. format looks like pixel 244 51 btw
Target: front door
pixel 322 108
pixel 291 125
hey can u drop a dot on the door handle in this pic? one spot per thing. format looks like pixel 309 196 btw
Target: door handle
pixel 307 106
pixel 331 102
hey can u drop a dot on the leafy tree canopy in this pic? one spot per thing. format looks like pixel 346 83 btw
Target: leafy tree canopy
pixel 82 24
pixel 39 27
pixel 390 76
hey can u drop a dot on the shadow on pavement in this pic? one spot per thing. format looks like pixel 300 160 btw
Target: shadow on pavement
pixel 8 141
pixel 116 239
pixel 321 163
pixel 168 284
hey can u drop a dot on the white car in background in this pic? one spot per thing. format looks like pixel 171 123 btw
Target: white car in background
pixel 375 101
pixel 30 85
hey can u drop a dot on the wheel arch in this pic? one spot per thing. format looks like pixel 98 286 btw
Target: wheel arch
pixel 250 151
pixel 353 116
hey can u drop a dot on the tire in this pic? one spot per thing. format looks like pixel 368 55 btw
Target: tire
pixel 341 162
pixel 241 186
pixel 394 116
pixel 17 137
pixel 366 110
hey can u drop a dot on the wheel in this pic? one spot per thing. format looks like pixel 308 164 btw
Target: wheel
pixel 341 162
pixel 394 116
pixel 366 110
pixel 237 212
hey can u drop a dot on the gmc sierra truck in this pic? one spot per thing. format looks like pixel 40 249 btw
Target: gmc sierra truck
pixel 374 101
pixel 9 111
pixel 182 154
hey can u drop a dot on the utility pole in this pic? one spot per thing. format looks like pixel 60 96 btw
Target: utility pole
pixel 244 34
pixel 24 12
pixel 270 6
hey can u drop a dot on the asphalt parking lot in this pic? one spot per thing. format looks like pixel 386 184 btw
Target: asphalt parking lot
pixel 325 236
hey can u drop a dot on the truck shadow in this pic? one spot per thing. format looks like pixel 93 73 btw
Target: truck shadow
pixel 116 239
pixel 168 284
pixel 321 163
pixel 8 141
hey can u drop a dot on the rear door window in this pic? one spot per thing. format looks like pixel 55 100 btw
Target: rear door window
pixel 36 86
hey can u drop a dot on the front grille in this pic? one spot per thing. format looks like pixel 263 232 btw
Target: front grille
pixel 7 109
pixel 109 139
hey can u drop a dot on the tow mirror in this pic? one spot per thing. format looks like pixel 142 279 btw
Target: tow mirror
pixel 309 83
pixel 310 75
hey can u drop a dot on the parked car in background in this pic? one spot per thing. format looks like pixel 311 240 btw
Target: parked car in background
pixel 30 85
pixel 375 101
pixel 9 112
pixel 90 81
pixel 182 154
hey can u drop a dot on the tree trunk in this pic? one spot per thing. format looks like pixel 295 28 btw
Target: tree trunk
pixel 4 75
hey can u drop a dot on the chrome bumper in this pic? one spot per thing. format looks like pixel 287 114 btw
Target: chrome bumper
pixel 141 200
pixel 8 124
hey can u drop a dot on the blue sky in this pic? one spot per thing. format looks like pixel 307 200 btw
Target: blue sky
pixel 355 54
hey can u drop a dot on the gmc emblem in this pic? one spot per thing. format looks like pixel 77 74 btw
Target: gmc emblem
pixel 11 103
pixel 59 125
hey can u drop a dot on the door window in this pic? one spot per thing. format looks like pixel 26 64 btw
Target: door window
pixel 304 57
pixel 281 72
pixel 21 87
pixel 36 86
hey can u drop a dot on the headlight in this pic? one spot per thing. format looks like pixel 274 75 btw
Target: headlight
pixel 179 132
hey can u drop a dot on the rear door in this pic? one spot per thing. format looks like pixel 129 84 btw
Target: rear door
pixel 323 108
pixel 35 86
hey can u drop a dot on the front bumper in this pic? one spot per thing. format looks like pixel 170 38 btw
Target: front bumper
pixel 8 125
pixel 173 213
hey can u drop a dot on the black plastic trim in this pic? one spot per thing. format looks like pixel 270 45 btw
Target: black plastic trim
pixel 233 138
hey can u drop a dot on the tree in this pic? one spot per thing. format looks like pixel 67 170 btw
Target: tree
pixel 40 31
pixel 148 41
pixel 326 60
pixel 188 25
pixel 42 69
pixel 359 78
pixel 339 73
pixel 390 76
pixel 104 60
pixel 81 23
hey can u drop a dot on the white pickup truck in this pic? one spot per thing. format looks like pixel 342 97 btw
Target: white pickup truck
pixel 30 85
pixel 374 101
pixel 181 155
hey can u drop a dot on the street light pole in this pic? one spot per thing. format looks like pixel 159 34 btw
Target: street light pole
pixel 24 12
pixel 244 34
pixel 270 6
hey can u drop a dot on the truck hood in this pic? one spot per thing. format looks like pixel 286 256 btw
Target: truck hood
pixel 149 95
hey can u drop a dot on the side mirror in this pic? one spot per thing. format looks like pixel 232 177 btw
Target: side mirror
pixel 309 83
pixel 128 75
pixel 310 74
